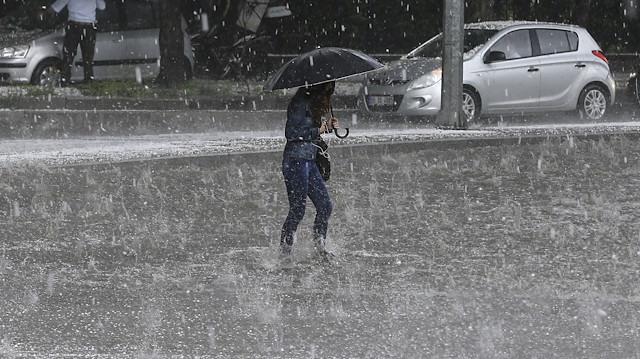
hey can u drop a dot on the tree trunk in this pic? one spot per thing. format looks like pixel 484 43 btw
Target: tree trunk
pixel 171 44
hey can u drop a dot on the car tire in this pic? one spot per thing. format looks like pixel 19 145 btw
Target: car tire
pixel 471 104
pixel 593 103
pixel 47 73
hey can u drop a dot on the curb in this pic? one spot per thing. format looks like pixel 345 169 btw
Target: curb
pixel 55 124
pixel 62 117
pixel 226 103
pixel 341 153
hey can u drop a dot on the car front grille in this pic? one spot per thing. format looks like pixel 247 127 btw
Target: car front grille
pixel 388 82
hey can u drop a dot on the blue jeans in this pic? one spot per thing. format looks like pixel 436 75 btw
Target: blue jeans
pixel 303 179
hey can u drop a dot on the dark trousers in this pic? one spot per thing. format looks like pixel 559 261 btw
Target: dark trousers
pixel 303 179
pixel 85 35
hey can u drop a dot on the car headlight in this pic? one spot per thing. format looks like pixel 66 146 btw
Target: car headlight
pixel 13 52
pixel 427 80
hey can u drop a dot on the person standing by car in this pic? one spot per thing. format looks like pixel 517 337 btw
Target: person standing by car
pixel 301 175
pixel 79 30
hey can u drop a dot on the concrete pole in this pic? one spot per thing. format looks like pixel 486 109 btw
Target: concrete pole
pixel 451 115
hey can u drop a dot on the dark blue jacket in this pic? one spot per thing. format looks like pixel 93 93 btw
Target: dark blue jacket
pixel 300 131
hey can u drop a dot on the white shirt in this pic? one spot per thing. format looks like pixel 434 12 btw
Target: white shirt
pixel 80 10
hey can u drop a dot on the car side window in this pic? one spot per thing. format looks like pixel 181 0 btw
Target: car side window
pixel 141 15
pixel 556 41
pixel 573 40
pixel 515 45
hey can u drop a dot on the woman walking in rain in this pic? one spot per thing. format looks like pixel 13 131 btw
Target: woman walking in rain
pixel 314 73
pixel 301 174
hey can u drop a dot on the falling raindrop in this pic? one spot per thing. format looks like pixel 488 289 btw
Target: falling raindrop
pixel 51 281
pixel 138 74
pixel 204 22
pixel 16 209
pixel 212 337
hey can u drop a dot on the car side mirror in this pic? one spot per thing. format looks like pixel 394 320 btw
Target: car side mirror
pixel 494 56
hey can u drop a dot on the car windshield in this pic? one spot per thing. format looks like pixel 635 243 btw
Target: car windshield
pixel 24 17
pixel 473 38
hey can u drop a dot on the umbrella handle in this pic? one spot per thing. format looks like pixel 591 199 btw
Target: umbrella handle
pixel 342 136
pixel 336 132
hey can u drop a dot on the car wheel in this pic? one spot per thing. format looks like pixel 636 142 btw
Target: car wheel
pixel 593 103
pixel 470 105
pixel 47 73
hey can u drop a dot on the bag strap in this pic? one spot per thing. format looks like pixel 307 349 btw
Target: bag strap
pixel 323 152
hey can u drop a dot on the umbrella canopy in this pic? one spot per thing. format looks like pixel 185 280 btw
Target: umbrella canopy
pixel 321 65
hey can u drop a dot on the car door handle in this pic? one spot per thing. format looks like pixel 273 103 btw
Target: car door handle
pixel 580 65
pixel 532 69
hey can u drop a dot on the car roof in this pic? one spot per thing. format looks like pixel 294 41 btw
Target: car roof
pixel 501 25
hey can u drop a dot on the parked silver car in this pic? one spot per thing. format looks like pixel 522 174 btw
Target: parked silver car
pixel 126 46
pixel 509 67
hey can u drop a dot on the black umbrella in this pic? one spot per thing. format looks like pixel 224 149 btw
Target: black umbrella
pixel 321 65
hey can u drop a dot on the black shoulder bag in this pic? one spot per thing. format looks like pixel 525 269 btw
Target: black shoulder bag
pixel 322 159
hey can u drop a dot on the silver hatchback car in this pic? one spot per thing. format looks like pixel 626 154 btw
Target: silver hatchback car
pixel 509 67
pixel 126 45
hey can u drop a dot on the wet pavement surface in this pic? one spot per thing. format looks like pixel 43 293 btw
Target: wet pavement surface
pixel 443 248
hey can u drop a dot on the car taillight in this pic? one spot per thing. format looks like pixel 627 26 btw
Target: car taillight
pixel 600 54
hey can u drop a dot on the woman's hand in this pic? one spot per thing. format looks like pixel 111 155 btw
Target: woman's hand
pixel 323 127
pixel 333 123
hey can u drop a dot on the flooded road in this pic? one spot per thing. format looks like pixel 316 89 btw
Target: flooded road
pixel 499 251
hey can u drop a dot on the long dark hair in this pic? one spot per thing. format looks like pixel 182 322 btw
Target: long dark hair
pixel 319 100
